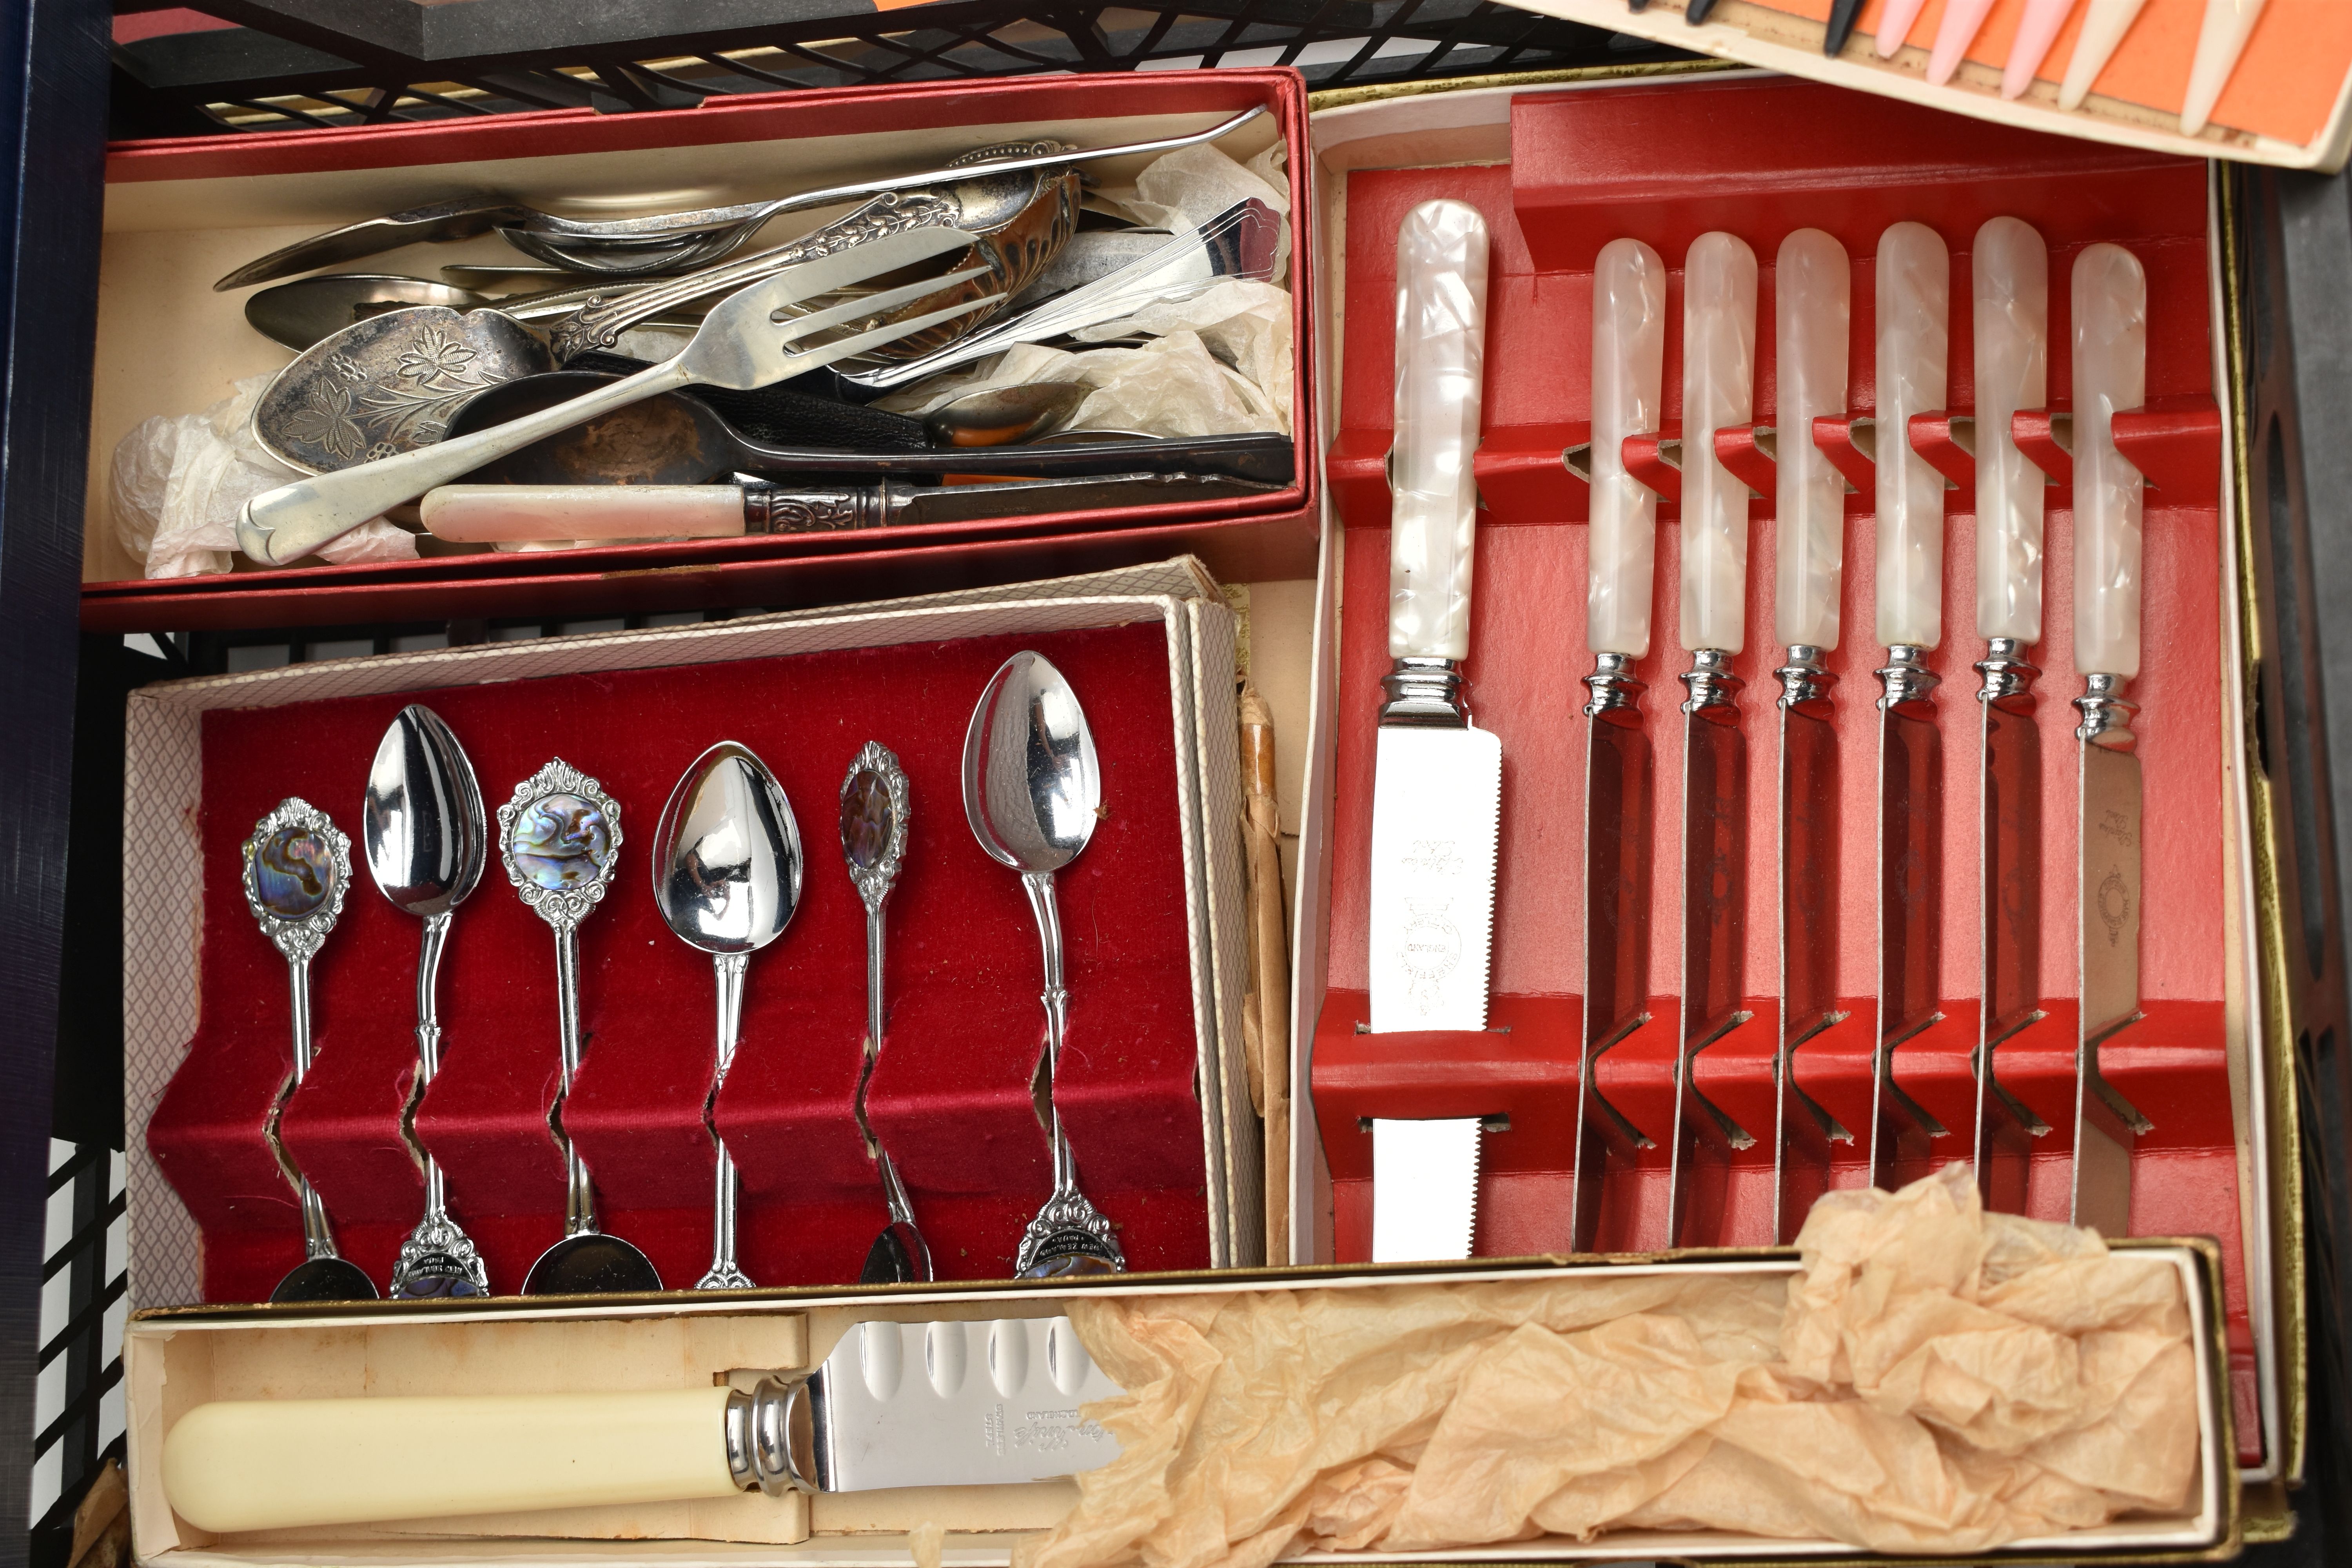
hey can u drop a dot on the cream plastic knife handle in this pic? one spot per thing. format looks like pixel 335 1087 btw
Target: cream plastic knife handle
pixel 1915 313
pixel 2104 26
pixel 1953 35
pixel 2228 25
pixel 1895 24
pixel 1440 339
pixel 1719 391
pixel 1629 355
pixel 1812 311
pixel 2011 274
pixel 483 514
pixel 2036 31
pixel 2110 306
pixel 278 1464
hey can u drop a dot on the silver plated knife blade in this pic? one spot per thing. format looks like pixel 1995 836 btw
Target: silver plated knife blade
pixel 1719 391
pixel 2110 316
pixel 2009 264
pixel 1629 312
pixel 1437 780
pixel 1913 303
pixel 1812 314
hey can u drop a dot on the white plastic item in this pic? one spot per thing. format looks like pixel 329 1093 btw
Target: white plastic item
pixel 2036 31
pixel 2110 306
pixel 1895 24
pixel 1812 311
pixel 1629 351
pixel 1440 331
pixel 2012 267
pixel 490 514
pixel 1719 391
pixel 2104 26
pixel 2228 25
pixel 1953 35
pixel 1915 316
pixel 276 1463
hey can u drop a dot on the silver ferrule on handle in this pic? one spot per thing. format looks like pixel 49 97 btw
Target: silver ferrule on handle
pixel 2107 714
pixel 1425 693
pixel 1616 691
pixel 1909 686
pixel 1713 689
pixel 772 1436
pixel 281 526
pixel 2007 674
pixel 1805 681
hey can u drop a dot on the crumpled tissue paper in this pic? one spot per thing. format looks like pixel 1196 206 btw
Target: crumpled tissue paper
pixel 1936 1379
pixel 178 482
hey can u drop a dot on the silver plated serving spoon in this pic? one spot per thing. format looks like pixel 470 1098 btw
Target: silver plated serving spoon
pixel 560 837
pixel 1031 790
pixel 298 866
pixel 726 875
pixel 873 801
pixel 426 839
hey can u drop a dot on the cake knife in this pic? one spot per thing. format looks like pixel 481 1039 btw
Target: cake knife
pixel 1813 282
pixel 2110 309
pixel 2010 269
pixel 1628 341
pixel 1913 303
pixel 1437 780
pixel 1719 391
pixel 896 1404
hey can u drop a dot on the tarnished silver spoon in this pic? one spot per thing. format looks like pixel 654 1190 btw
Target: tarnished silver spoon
pixel 727 877
pixel 426 840
pixel 560 837
pixel 1030 789
pixel 873 801
pixel 298 867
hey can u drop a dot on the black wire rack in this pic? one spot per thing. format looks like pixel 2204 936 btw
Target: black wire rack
pixel 277 68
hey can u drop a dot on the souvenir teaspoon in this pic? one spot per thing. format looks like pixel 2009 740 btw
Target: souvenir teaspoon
pixel 298 865
pixel 561 839
pixel 1030 789
pixel 873 800
pixel 726 875
pixel 426 840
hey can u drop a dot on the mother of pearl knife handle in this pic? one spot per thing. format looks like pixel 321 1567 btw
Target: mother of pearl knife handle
pixel 1813 284
pixel 1629 352
pixel 1719 391
pixel 2228 25
pixel 1441 329
pixel 2104 26
pixel 1914 305
pixel 2011 268
pixel 2110 302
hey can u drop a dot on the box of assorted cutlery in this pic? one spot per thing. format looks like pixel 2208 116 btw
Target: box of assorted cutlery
pixel 808 348
pixel 1802 747
pixel 706 957
pixel 2204 79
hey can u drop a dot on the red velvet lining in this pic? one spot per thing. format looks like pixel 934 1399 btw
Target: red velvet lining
pixel 1528 653
pixel 950 1098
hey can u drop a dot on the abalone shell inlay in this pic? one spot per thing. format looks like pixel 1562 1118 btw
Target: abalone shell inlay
pixel 867 820
pixel 560 841
pixel 293 872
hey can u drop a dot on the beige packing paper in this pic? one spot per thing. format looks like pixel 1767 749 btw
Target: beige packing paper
pixel 1935 1379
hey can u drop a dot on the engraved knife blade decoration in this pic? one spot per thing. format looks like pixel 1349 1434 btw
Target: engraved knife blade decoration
pixel 1718 393
pixel 1913 303
pixel 1437 781
pixel 895 1405
pixel 2011 267
pixel 1629 342
pixel 2110 311
pixel 1812 284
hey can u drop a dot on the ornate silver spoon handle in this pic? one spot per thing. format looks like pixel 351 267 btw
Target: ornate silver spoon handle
pixel 725 1274
pixel 579 1191
pixel 1068 1226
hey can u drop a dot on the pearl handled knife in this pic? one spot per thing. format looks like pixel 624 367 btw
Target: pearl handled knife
pixel 2110 307
pixel 1437 781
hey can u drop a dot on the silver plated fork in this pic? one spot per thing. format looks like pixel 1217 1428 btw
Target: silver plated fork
pixel 747 342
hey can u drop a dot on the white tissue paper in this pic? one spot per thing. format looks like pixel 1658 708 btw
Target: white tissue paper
pixel 180 482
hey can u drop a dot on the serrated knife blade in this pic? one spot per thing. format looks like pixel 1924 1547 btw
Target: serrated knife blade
pixel 1437 779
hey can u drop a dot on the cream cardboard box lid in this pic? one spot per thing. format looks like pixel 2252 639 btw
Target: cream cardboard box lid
pixel 163 908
